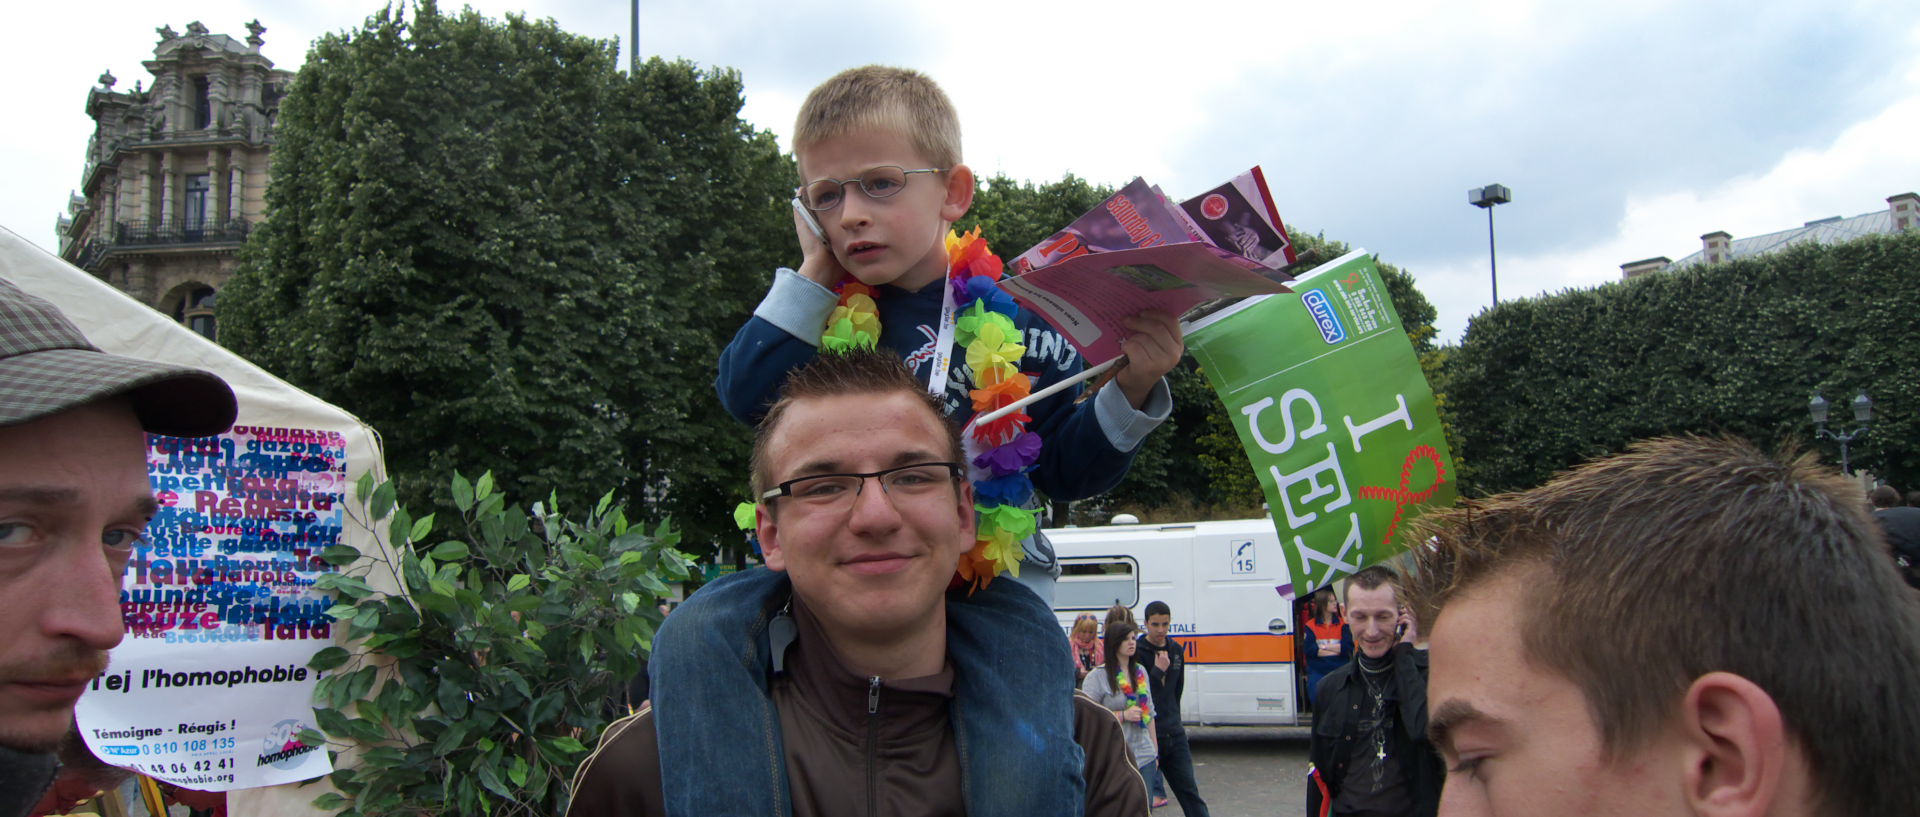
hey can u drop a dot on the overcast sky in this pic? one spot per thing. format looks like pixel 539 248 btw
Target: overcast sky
pixel 1626 128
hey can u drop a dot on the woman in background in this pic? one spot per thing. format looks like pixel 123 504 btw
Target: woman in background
pixel 1121 686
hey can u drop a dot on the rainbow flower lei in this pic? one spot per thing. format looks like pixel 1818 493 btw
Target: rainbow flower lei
pixel 1000 453
pixel 1136 690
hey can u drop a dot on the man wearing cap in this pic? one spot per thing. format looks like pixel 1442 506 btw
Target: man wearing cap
pixel 74 499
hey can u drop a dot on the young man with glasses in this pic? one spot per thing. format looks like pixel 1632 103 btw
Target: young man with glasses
pixel 865 511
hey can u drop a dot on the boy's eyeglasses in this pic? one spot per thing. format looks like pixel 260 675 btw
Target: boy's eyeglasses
pixel 878 183
pixel 834 490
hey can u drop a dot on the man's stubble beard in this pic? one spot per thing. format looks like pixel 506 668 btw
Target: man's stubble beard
pixel 71 659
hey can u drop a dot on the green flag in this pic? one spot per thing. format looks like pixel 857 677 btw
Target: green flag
pixel 1336 417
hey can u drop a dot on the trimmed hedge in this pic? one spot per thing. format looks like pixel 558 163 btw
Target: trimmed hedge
pixel 1542 384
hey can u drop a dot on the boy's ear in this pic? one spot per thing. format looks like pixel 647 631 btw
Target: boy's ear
pixel 959 194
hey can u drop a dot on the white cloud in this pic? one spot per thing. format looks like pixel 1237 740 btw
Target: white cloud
pixel 1627 129
pixel 1849 176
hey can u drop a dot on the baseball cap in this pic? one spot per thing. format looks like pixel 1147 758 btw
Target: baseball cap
pixel 47 366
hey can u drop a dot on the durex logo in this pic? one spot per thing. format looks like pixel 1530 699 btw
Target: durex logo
pixel 1324 316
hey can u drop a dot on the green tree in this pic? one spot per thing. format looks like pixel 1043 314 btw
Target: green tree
pixel 1541 384
pixel 505 254
pixel 1015 215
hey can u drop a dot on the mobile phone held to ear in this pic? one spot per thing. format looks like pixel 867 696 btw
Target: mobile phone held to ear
pixel 812 223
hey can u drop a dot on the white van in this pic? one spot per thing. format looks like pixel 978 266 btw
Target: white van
pixel 1228 587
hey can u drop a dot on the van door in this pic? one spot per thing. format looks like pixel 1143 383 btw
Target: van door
pixel 1240 662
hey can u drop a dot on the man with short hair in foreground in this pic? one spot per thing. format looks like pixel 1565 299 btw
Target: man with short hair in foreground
pixel 1612 642
pixel 865 512
pixel 74 499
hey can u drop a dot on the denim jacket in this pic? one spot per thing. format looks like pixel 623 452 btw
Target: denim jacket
pixel 1012 707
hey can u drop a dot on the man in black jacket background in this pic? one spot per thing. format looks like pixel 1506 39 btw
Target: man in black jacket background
pixel 1369 752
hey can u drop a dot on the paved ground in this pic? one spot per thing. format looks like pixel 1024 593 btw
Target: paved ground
pixel 1248 771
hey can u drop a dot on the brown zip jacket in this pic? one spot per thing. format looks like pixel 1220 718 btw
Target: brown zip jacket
pixel 854 746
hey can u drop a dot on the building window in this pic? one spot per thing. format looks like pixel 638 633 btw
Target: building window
pixel 1097 583
pixel 196 311
pixel 202 103
pixel 194 215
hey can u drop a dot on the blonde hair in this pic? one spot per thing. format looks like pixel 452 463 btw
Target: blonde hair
pixel 879 97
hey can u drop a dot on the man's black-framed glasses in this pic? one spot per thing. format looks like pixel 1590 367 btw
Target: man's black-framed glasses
pixel 878 183
pixel 900 482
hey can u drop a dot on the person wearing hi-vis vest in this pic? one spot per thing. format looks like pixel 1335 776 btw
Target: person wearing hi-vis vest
pixel 1326 641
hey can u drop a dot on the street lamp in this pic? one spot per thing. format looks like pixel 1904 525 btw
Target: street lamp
pixel 1862 413
pixel 1485 198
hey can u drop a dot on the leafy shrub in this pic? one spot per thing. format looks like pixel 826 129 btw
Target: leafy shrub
pixel 500 664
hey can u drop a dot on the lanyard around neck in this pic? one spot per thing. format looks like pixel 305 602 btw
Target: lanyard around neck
pixel 943 342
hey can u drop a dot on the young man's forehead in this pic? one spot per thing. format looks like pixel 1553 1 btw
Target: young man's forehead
pixel 795 444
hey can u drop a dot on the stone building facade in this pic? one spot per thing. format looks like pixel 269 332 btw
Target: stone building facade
pixel 176 174
pixel 1902 214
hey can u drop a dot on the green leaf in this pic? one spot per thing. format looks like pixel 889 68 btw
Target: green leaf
pixel 455 734
pixel 402 521
pixel 653 585
pixel 367 731
pixel 519 582
pixel 342 612
pixel 490 778
pixel 629 602
pixel 382 502
pixel 518 771
pixel 362 682
pixel 453 700
pixel 606 499
pixel 421 527
pixel 483 488
pixel 352 586
pixel 329 801
pixel 462 493
pixel 340 555
pixel 449 550
pixel 332 720
pixel 329 658
pixel 363 487
pixel 567 744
